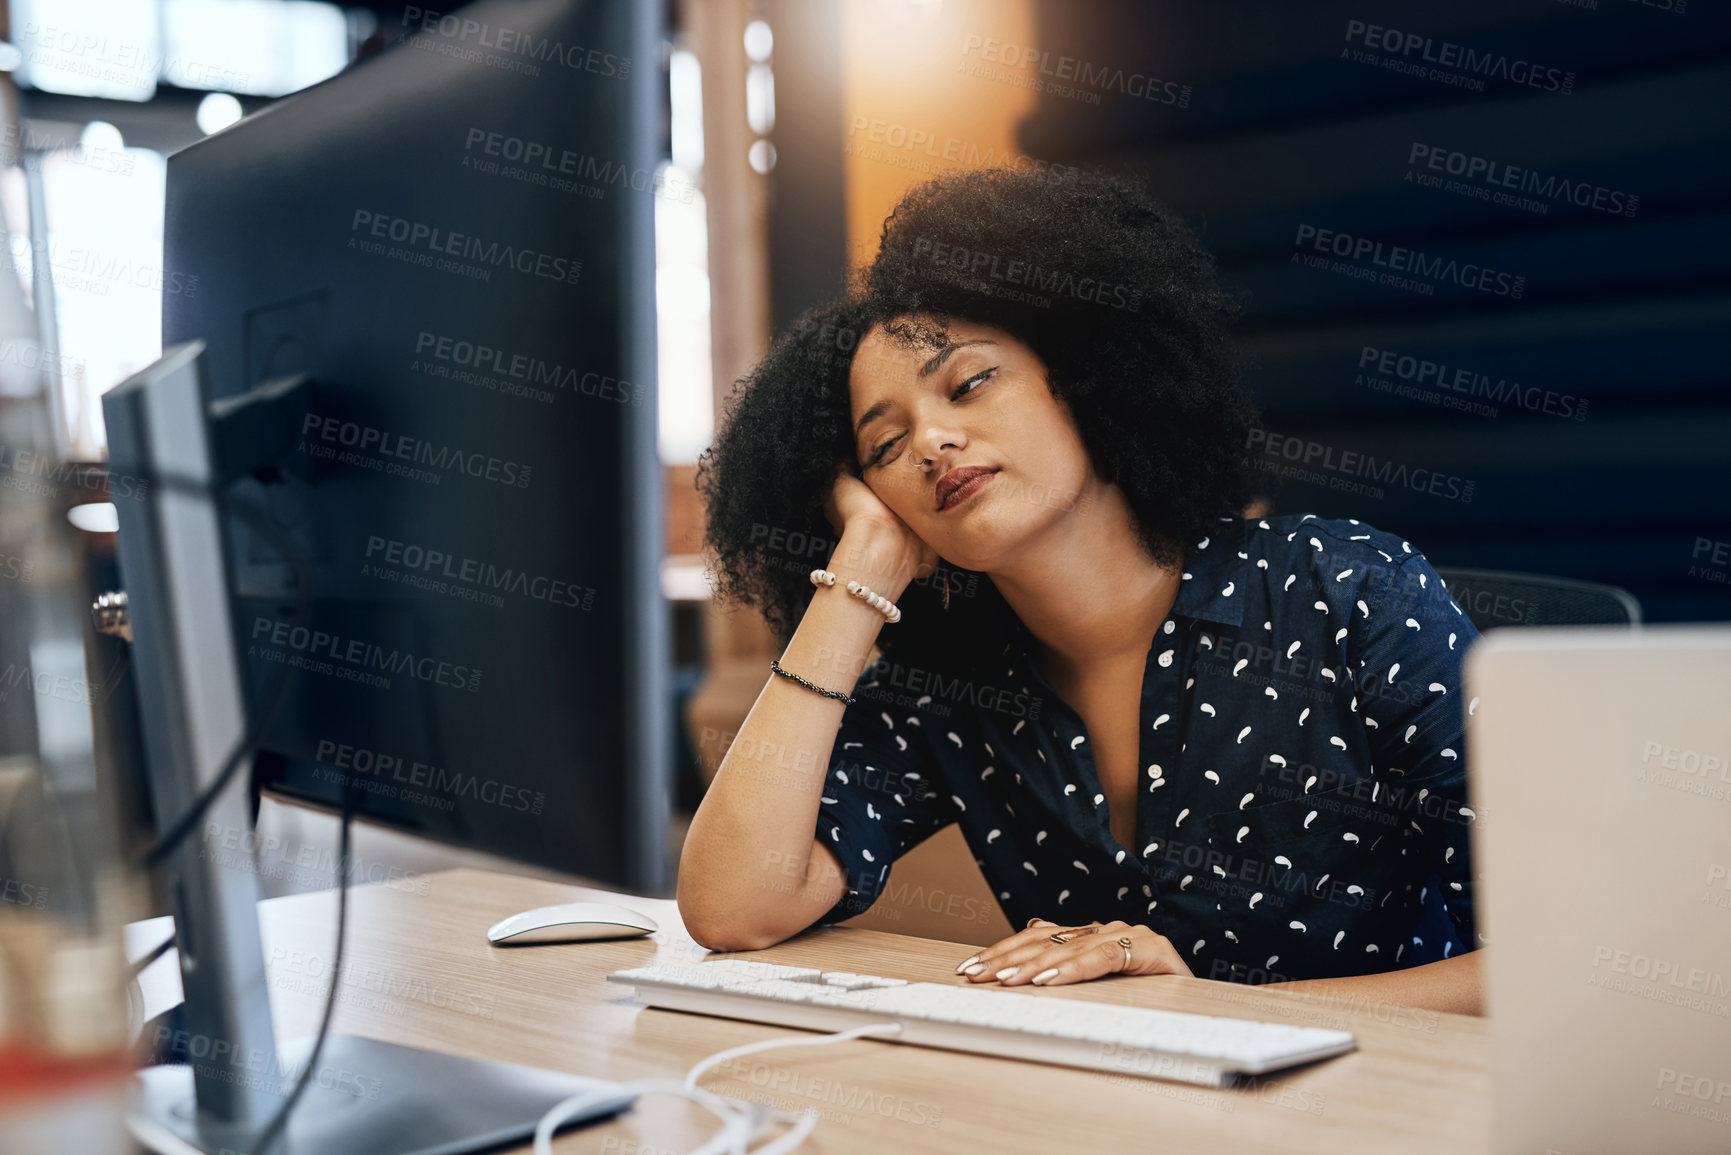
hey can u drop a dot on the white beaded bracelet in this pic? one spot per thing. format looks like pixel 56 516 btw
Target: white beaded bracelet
pixel 891 612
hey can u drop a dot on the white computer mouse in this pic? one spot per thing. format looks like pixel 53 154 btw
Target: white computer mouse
pixel 570 922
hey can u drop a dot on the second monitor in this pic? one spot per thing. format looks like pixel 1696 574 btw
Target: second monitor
pixel 456 246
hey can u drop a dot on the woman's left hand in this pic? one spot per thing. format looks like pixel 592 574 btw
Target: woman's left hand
pixel 1087 952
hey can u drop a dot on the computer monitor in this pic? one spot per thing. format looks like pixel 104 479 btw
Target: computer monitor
pixel 232 1097
pixel 454 241
pixel 439 266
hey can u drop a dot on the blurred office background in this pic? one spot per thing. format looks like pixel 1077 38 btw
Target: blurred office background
pixel 1564 410
pixel 1580 151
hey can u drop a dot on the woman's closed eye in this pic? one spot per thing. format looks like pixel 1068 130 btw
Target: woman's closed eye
pixel 961 391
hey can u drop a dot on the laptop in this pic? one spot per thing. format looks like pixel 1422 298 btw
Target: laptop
pixel 1601 778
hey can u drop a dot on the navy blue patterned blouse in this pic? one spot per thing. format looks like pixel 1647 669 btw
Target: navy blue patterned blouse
pixel 1301 802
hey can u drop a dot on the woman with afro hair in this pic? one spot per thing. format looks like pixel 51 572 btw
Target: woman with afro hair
pixel 1178 738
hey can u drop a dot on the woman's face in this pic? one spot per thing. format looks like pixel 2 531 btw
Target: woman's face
pixel 965 395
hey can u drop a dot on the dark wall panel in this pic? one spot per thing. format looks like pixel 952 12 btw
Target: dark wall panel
pixel 1581 394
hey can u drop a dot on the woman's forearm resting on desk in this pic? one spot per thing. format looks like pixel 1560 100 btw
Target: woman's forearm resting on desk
pixel 1453 985
pixel 751 872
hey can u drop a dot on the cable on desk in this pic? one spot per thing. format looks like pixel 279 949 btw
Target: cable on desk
pixel 742 1121
pixel 280 1120
pixel 806 1119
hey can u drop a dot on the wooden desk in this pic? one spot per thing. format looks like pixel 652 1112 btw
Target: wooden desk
pixel 420 971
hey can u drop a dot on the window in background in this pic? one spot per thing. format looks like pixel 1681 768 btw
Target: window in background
pixel 103 249
pixel 120 49
pixel 682 275
pixel 104 202
pixel 105 48
pixel 260 47
pixel 101 201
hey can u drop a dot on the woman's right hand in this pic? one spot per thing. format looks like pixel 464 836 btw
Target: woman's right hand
pixel 853 509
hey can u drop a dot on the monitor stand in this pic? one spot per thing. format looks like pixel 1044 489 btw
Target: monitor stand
pixel 372 1098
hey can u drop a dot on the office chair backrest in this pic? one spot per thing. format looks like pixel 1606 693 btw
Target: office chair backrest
pixel 1495 598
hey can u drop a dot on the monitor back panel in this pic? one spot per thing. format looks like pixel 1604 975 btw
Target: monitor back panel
pixel 465 474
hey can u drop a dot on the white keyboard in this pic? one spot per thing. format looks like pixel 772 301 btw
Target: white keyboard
pixel 1016 1024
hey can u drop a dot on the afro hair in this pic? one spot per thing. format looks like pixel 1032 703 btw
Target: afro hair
pixel 1112 292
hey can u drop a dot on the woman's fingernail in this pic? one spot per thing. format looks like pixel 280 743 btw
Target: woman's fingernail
pixel 1006 974
pixel 1044 975
pixel 966 963
pixel 975 969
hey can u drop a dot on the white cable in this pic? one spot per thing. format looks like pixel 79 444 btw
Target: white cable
pixel 742 1121
pixel 732 1122
pixel 807 1119
pixel 720 1057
